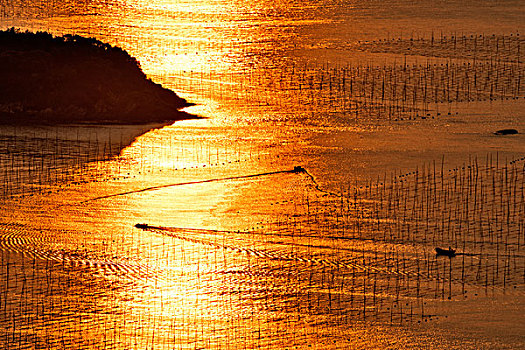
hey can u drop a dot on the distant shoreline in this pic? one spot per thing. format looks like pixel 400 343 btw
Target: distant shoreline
pixel 71 79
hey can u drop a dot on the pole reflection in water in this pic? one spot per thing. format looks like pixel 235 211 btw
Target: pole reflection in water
pixel 234 259
pixel 236 250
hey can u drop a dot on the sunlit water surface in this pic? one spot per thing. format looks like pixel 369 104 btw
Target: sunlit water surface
pixel 242 251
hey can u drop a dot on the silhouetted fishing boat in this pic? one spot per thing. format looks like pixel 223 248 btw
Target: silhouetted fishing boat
pixel 506 132
pixel 142 226
pixel 446 252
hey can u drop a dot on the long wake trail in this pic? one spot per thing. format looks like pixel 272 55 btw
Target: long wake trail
pixel 295 170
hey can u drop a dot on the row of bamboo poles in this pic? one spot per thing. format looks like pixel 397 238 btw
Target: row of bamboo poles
pixel 363 256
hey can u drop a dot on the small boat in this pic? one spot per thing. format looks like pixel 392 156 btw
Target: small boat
pixel 142 226
pixel 446 252
pixel 506 132
pixel 298 169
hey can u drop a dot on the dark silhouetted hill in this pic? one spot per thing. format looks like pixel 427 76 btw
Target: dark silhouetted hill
pixel 72 79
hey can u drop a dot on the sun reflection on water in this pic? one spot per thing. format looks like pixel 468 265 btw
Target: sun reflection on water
pixel 241 248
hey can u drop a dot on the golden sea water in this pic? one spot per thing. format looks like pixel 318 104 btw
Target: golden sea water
pixel 241 251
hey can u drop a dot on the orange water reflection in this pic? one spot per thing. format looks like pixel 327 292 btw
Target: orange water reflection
pixel 272 261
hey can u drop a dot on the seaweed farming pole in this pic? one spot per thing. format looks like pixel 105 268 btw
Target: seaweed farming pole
pixel 295 170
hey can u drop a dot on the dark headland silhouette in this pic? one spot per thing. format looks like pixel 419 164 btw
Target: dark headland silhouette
pixel 73 79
